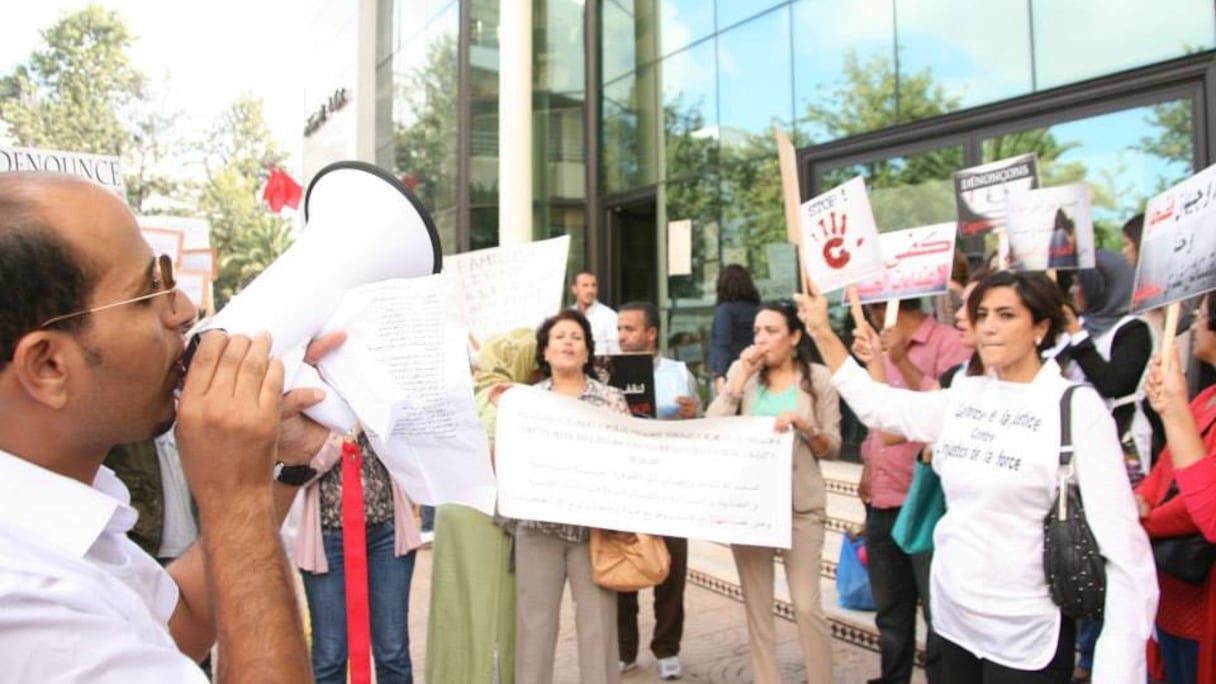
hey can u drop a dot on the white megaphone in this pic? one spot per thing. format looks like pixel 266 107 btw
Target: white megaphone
pixel 362 225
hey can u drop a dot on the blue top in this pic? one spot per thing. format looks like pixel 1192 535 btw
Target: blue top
pixel 731 332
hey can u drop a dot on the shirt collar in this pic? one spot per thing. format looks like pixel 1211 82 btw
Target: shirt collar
pixel 61 510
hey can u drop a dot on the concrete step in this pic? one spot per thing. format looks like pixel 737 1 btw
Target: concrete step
pixel 711 565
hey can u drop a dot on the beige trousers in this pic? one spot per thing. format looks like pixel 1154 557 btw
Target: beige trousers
pixel 802 571
pixel 543 565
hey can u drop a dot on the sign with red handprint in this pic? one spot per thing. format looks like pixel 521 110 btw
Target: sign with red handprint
pixel 839 237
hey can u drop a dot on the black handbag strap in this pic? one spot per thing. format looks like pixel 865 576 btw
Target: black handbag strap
pixel 1066 426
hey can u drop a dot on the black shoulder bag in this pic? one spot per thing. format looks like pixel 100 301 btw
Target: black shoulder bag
pixel 1076 571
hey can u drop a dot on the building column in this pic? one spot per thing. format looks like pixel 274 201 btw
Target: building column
pixel 365 81
pixel 515 123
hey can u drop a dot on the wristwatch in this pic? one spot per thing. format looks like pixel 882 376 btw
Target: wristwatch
pixel 294 475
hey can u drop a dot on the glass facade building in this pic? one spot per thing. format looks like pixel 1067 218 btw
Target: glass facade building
pixel 646 112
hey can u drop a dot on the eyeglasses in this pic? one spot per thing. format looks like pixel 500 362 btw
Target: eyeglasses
pixel 162 281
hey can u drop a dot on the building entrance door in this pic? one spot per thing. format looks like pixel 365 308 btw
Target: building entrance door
pixel 633 254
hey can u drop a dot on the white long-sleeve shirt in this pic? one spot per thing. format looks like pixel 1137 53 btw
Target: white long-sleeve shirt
pixel 996 447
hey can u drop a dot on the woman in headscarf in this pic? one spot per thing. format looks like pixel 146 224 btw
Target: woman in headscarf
pixel 471 629
pixel 1111 351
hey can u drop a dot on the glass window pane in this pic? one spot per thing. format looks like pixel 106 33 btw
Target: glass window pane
pixel 690 110
pixel 844 68
pixel 557 133
pixel 1125 157
pixel 1117 35
pixel 731 12
pixel 981 54
pixel 483 232
pixel 618 46
pixel 680 24
pixel 753 221
pixel 754 66
pixel 558 47
pixel 907 191
pixel 629 107
pixel 696 200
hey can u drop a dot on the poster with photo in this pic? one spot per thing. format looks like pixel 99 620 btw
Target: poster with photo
pixel 1050 228
pixel 632 374
pixel 1178 246
pixel 980 191
pixel 839 243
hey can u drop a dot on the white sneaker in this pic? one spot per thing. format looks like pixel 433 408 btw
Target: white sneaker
pixel 669 668
pixel 627 666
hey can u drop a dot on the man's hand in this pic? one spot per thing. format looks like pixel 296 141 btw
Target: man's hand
pixel 228 417
pixel 688 407
pixel 300 437
pixel 895 344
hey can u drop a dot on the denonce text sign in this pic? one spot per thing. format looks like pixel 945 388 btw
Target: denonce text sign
pixel 720 479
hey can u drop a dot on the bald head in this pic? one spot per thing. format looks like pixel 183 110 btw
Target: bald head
pixel 42 272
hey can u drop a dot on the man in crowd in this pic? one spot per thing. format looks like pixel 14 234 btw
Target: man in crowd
pixel 915 351
pixel 91 346
pixel 675 398
pixel 586 289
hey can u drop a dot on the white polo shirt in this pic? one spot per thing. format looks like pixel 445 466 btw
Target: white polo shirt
pixel 603 328
pixel 80 602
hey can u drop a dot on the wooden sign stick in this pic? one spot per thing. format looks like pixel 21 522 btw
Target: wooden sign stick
pixel 1167 340
pixel 791 197
pixel 892 314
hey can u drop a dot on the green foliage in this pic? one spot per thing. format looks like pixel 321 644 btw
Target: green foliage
pixel 72 93
pixel 245 235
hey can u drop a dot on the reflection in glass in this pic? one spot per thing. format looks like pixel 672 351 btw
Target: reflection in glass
pixel 630 116
pixel 907 191
pixel 1125 157
pixel 754 71
pixel 696 200
pixel 731 12
pixel 689 111
pixel 1081 39
pixel 981 54
pixel 618 50
pixel 483 227
pixel 840 47
pixel 424 109
pixel 557 47
pixel 557 132
pixel 753 217
pixel 681 23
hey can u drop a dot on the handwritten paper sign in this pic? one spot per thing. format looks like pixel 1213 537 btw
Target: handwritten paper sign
pixel 104 170
pixel 1178 246
pixel 722 479
pixel 839 237
pixel 504 288
pixel 916 263
pixel 405 372
pixel 1050 228
pixel 167 242
pixel 980 191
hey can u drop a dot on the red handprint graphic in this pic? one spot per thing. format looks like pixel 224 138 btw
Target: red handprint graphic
pixel 835 252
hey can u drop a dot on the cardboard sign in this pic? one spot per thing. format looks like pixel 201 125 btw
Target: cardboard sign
pixel 980 191
pixel 1050 228
pixel 839 237
pixel 916 263
pixel 1178 246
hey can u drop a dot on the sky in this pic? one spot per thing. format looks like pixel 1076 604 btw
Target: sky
pixel 199 56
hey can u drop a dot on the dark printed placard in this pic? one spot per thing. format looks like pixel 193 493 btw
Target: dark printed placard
pixel 632 374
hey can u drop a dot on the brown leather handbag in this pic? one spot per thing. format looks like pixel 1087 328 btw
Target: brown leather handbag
pixel 628 561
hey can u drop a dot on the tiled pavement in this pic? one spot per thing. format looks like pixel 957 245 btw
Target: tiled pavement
pixel 714 647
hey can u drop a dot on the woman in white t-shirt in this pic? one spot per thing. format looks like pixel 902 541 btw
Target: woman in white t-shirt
pixel 996 443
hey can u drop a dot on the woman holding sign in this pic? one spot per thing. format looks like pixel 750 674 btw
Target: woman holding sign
pixel 1178 501
pixel 996 446
pixel 548 555
pixel 775 377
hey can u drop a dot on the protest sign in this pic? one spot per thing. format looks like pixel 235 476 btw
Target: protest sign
pixel 1178 245
pixel 721 479
pixel 105 170
pixel 504 288
pixel 167 242
pixel 196 232
pixel 980 191
pixel 1050 228
pixel 196 285
pixel 839 237
pixel 916 263
pixel 404 371
pixel 632 374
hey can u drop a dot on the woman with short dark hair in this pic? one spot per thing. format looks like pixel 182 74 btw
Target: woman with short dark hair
pixel 734 313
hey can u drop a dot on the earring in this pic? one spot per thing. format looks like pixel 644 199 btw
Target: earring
pixel 1038 341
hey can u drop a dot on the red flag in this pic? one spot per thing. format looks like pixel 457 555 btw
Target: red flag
pixel 281 190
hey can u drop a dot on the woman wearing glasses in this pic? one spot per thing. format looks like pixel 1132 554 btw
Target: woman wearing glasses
pixel 775 377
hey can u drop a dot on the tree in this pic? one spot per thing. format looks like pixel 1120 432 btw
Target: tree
pixel 245 235
pixel 425 127
pixel 155 143
pixel 72 93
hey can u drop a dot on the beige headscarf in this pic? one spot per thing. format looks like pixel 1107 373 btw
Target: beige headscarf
pixel 509 357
